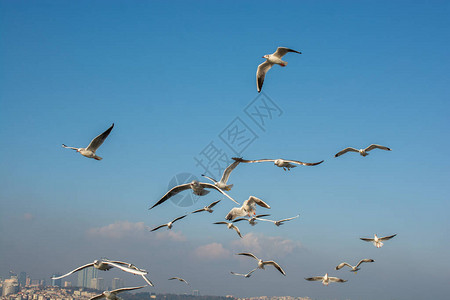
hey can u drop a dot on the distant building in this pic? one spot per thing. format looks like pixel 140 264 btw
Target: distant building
pixel 56 282
pixel 10 286
pixel 85 276
pixel 67 284
pixel 98 284
pixel 117 283
pixel 22 279
pixel 28 281
pixel 195 293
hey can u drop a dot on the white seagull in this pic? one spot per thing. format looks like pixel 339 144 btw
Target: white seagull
pixel 271 59
pixel 206 208
pixel 222 184
pixel 280 222
pixel 198 188
pixel 251 220
pixel 262 263
pixel 282 163
pixel 245 275
pixel 377 241
pixel 363 152
pixel 247 208
pixel 231 226
pixel 354 268
pixel 325 279
pixel 179 279
pixel 169 225
pixel 89 151
pixel 129 268
pixel 112 295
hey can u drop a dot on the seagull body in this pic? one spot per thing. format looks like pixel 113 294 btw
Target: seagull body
pixel 280 222
pixel 89 151
pixel 198 188
pixel 179 279
pixel 377 241
pixel 206 208
pixel 251 220
pixel 325 279
pixel 247 208
pixel 262 263
pixel 222 184
pixel 354 268
pixel 245 275
pixel 362 152
pixel 231 226
pixel 112 295
pixel 169 225
pixel 281 163
pixel 271 59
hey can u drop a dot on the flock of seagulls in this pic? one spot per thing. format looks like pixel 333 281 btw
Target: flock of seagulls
pixel 244 212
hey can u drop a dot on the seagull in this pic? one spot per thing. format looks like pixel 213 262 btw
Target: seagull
pixel 251 220
pixel 105 265
pixel 198 188
pixel 262 263
pixel 112 295
pixel 247 209
pixel 363 152
pixel 179 279
pixel 377 242
pixel 89 151
pixel 354 268
pixel 271 59
pixel 245 275
pixel 206 208
pixel 231 226
pixel 222 184
pixel 325 279
pixel 280 222
pixel 169 225
pixel 282 163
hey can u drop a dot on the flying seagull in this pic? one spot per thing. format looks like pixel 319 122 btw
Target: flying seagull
pixel 206 208
pixel 179 279
pixel 271 59
pixel 280 222
pixel 169 225
pixel 282 163
pixel 231 226
pixel 89 151
pixel 247 208
pixel 262 263
pixel 354 268
pixel 251 220
pixel 377 241
pixel 198 188
pixel 363 152
pixel 245 275
pixel 112 295
pixel 222 184
pixel 129 268
pixel 325 279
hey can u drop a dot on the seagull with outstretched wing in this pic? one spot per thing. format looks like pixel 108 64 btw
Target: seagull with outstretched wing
pixel 168 225
pixel 206 208
pixel 180 279
pixel 377 241
pixel 325 279
pixel 280 222
pixel 262 263
pixel 245 275
pixel 231 226
pixel 362 152
pixel 247 208
pixel 286 164
pixel 222 184
pixel 251 220
pixel 112 295
pixel 354 268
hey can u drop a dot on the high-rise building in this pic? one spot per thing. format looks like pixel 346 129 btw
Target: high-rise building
pixel 117 283
pixel 56 282
pixel 67 284
pixel 28 281
pixel 85 276
pixel 98 284
pixel 22 279
pixel 10 286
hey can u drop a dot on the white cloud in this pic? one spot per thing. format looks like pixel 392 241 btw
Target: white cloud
pixel 212 251
pixel 176 236
pixel 260 244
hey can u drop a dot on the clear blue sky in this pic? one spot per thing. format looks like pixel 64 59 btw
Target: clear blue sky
pixel 172 76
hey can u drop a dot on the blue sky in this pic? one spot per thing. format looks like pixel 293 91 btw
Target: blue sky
pixel 172 76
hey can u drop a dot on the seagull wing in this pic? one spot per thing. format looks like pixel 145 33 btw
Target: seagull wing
pixel 375 146
pixel 97 297
pixel 341 265
pixel 257 160
pixel 237 274
pixel 228 170
pixel 198 210
pixel 127 289
pixel 240 219
pixel 213 204
pixel 277 266
pixel 288 219
pixel 282 51
pixel 64 146
pixel 248 254
pixel 175 190
pixel 160 226
pixel 260 216
pixel 366 239
pixel 179 218
pixel 303 163
pixel 364 260
pixel 126 269
pixel 258 201
pixel 385 238
pixel 335 279
pixel 234 213
pixel 147 280
pixel 98 141
pixel 237 230
pixel 316 278
pixel 212 179
pixel 76 270
pixel 345 151
pixel 212 186
pixel 261 74
pixel 222 222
